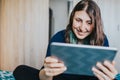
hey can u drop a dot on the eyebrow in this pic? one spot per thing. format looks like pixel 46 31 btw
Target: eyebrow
pixel 82 19
pixel 89 21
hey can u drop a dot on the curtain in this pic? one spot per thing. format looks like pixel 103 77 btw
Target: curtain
pixel 23 33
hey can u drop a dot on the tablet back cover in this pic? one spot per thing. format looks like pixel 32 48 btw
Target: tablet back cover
pixel 80 59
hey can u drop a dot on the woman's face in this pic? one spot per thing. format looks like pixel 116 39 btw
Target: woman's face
pixel 82 24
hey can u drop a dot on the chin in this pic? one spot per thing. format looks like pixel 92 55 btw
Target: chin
pixel 81 37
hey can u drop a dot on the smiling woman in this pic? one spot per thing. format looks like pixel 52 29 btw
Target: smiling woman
pixel 85 27
pixel 87 30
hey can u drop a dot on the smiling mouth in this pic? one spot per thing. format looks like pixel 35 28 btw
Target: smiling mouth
pixel 80 33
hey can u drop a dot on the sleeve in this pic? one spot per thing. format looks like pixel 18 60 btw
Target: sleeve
pixel 117 77
pixel 58 37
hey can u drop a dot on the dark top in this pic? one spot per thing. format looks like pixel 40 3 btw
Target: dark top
pixel 59 37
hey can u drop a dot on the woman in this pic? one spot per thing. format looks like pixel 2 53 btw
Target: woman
pixel 85 27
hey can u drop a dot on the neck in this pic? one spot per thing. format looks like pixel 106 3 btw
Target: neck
pixel 80 41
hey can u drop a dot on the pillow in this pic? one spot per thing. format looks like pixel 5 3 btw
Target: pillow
pixel 6 75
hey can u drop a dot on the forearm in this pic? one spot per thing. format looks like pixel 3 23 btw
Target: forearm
pixel 43 76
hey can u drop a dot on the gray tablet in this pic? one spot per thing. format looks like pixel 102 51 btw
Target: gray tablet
pixel 80 59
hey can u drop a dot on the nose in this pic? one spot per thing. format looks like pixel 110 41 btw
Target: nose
pixel 83 27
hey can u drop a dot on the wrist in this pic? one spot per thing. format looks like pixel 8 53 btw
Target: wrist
pixel 43 76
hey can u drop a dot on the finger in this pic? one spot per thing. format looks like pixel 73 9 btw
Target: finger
pixel 98 72
pixel 105 70
pixel 113 63
pixel 55 71
pixel 98 76
pixel 111 67
pixel 54 65
pixel 51 59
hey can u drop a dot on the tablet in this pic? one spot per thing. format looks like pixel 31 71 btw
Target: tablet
pixel 80 59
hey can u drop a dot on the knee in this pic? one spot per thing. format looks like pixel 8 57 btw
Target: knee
pixel 20 67
pixel 24 72
pixel 24 69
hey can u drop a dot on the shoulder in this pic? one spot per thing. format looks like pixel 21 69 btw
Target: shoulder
pixel 58 37
pixel 59 33
pixel 106 42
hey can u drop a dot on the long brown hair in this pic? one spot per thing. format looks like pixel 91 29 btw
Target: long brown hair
pixel 92 9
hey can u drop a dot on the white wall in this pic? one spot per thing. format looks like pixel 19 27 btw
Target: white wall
pixel 60 16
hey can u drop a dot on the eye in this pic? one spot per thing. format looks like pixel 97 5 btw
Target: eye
pixel 78 20
pixel 89 22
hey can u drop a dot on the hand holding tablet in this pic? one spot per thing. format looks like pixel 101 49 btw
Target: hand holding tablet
pixel 80 59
